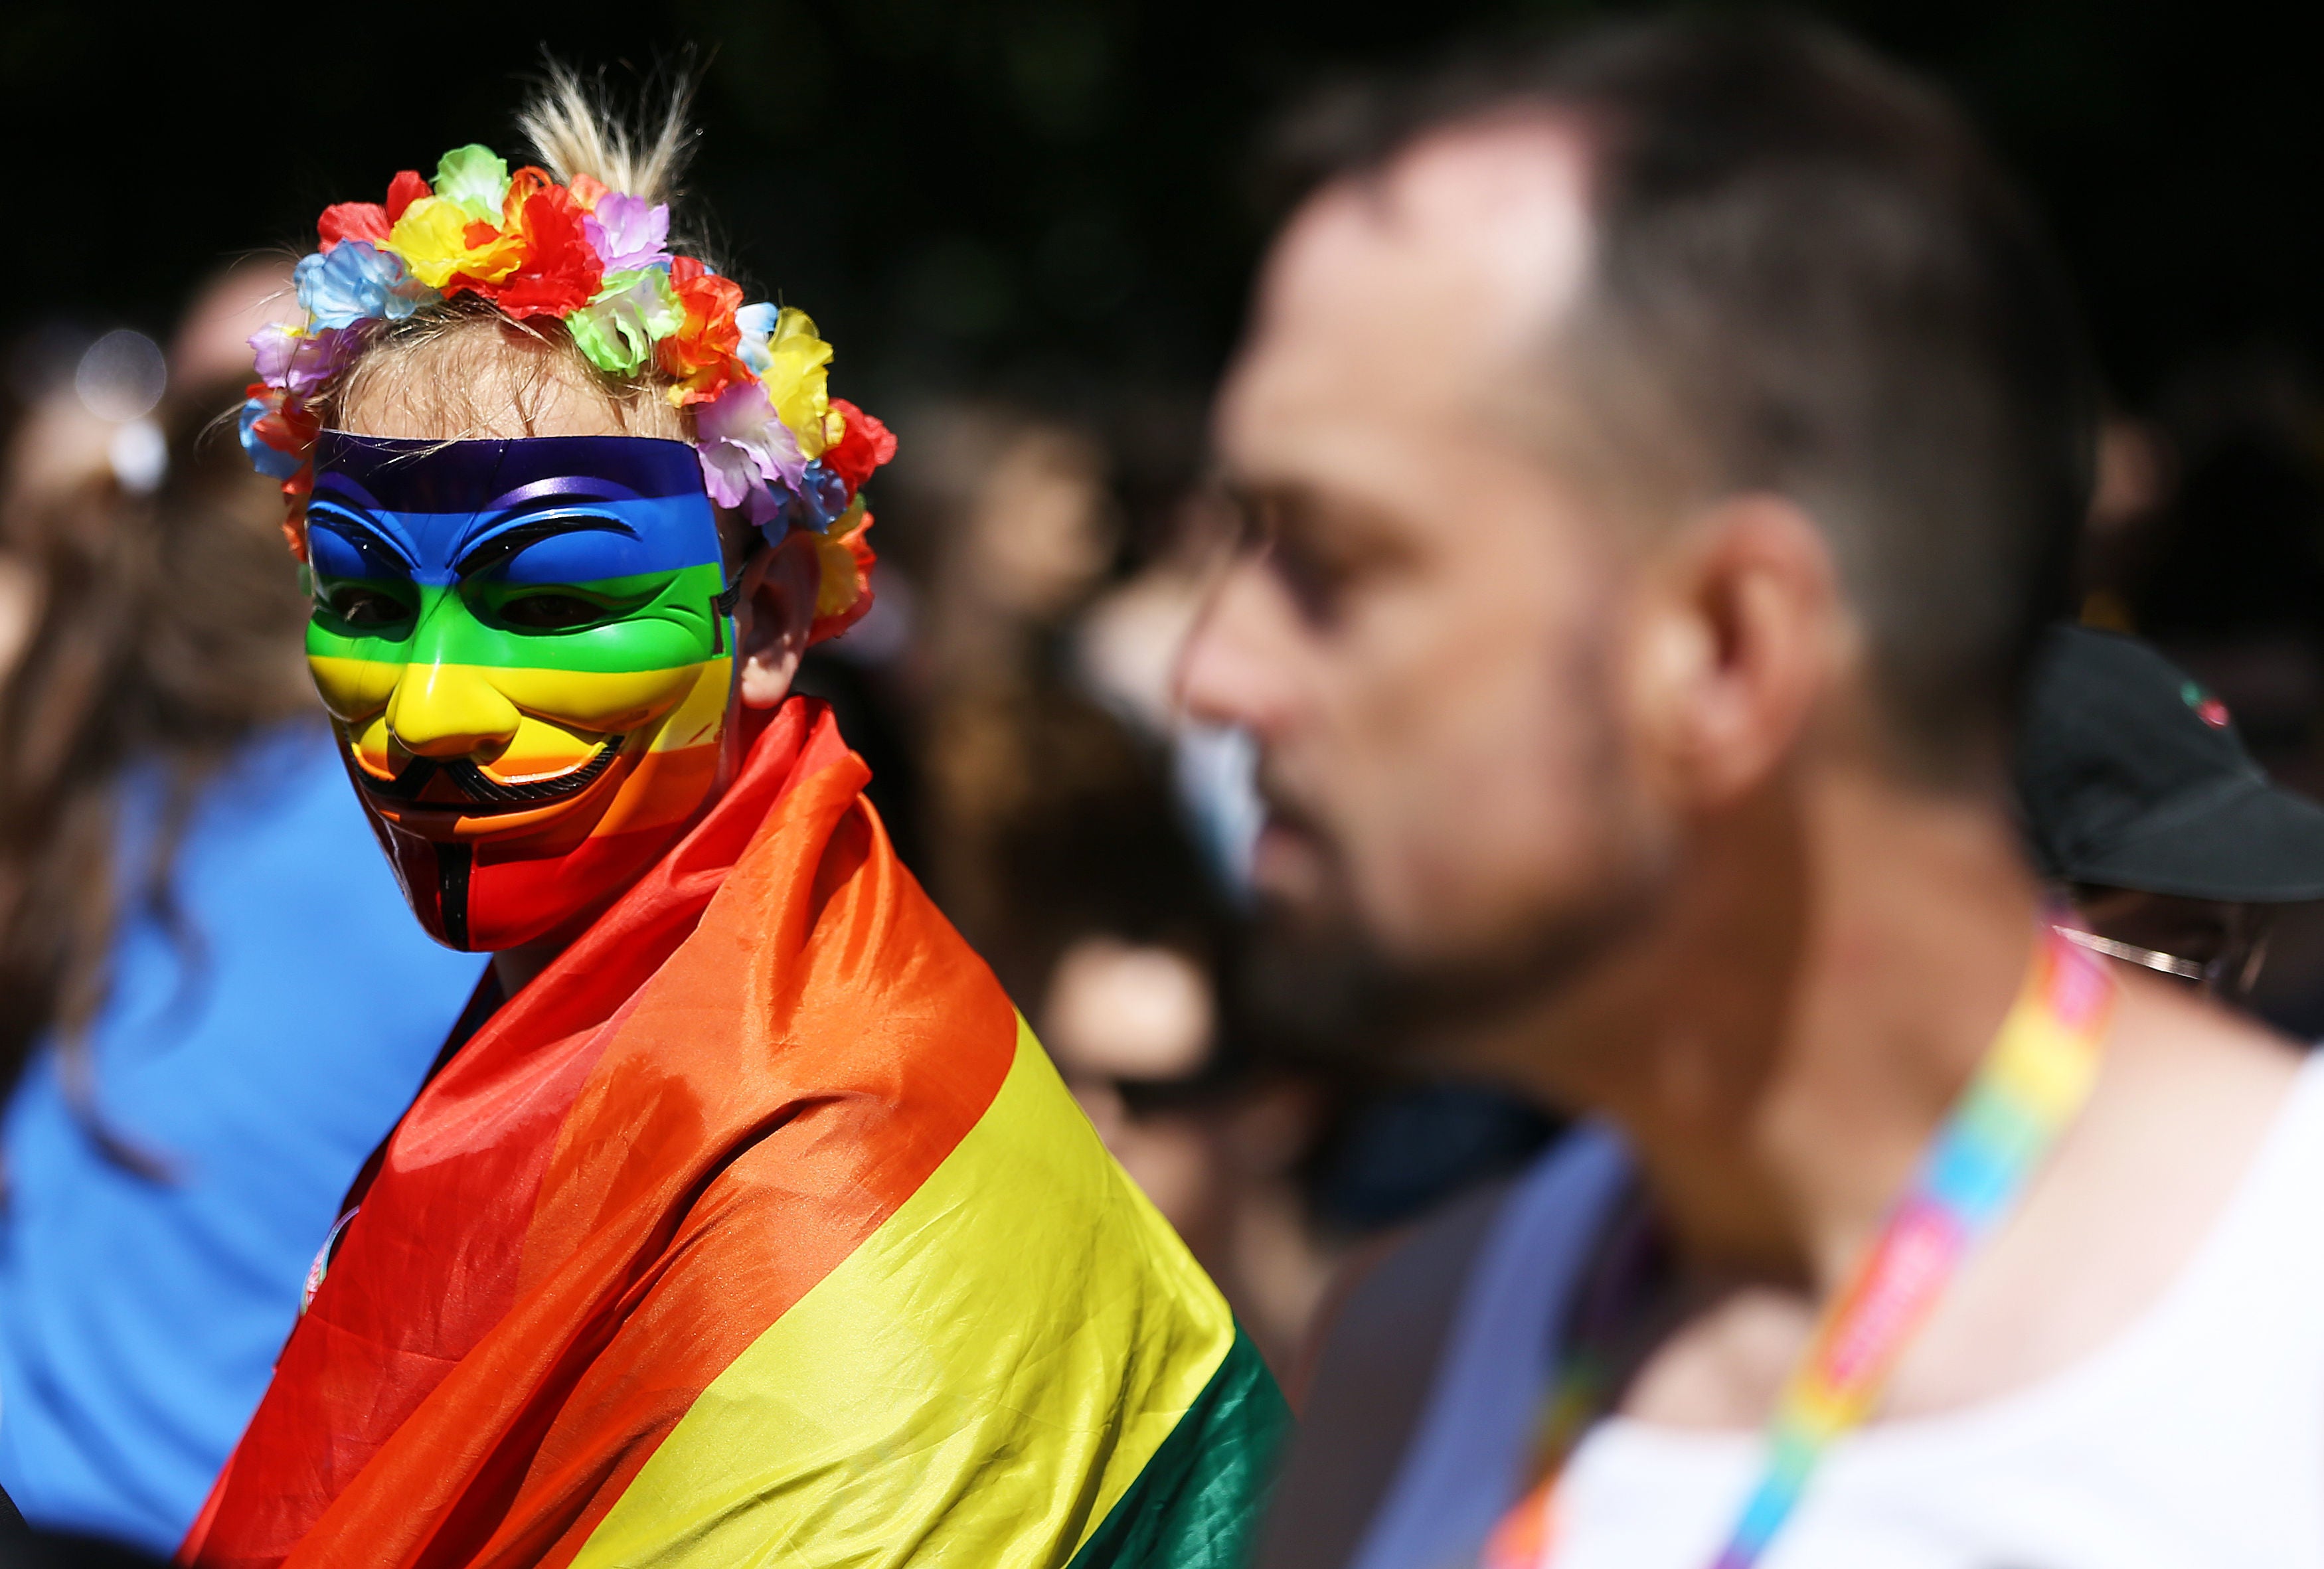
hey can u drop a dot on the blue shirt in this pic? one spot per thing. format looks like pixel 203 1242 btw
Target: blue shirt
pixel 140 1321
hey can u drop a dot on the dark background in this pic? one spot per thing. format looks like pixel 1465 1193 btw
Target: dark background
pixel 1053 197
pixel 1053 203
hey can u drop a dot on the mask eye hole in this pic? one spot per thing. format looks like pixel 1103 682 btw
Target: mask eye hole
pixel 550 611
pixel 359 605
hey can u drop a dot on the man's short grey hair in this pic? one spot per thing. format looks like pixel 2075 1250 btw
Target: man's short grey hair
pixel 1812 278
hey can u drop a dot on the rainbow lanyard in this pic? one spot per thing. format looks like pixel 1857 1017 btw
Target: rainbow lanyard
pixel 2033 1079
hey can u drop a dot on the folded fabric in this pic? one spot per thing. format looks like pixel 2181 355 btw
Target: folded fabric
pixel 757 1228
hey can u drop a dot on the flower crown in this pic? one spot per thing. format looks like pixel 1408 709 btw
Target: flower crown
pixel 773 443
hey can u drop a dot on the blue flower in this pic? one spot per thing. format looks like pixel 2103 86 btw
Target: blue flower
pixel 820 499
pixel 270 461
pixel 352 281
pixel 755 324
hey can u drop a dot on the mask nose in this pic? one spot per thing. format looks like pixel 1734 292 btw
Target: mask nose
pixel 449 711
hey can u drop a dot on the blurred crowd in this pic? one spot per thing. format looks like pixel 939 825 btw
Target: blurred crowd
pixel 169 797
pixel 1012 691
pixel 177 926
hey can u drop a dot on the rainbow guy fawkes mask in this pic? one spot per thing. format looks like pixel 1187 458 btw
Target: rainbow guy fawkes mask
pixel 523 648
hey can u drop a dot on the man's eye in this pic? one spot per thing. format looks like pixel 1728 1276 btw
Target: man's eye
pixel 551 612
pixel 365 607
pixel 1318 583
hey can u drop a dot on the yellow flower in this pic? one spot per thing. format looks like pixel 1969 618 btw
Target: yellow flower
pixel 432 238
pixel 840 582
pixel 796 381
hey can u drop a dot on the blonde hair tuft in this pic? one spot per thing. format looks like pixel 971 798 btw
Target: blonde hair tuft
pixel 575 131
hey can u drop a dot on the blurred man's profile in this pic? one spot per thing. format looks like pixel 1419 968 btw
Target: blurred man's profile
pixel 1661 454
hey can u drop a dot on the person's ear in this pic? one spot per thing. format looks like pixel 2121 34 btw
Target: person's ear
pixel 772 615
pixel 1743 632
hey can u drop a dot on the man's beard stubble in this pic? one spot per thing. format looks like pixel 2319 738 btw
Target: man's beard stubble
pixel 1328 993
pixel 1321 988
pixel 1319 983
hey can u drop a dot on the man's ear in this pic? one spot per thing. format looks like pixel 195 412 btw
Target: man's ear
pixel 1745 633
pixel 772 615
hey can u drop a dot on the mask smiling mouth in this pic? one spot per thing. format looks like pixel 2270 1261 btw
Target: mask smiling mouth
pixel 479 792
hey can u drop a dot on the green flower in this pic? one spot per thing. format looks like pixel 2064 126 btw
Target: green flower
pixel 475 180
pixel 617 330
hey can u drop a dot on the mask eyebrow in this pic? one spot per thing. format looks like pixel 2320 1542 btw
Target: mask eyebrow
pixel 508 535
pixel 342 519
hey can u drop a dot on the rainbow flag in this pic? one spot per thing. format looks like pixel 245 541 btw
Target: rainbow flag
pixel 757 1230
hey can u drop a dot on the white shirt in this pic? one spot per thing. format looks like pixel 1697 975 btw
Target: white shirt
pixel 2193 1439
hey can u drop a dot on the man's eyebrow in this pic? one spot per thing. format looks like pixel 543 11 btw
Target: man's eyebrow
pixel 1288 497
pixel 1349 530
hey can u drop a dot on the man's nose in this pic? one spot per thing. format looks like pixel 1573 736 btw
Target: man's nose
pixel 1230 673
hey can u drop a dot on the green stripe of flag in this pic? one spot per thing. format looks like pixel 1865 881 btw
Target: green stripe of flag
pixel 1198 1503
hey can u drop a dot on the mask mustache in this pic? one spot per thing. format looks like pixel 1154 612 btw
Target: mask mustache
pixel 481 790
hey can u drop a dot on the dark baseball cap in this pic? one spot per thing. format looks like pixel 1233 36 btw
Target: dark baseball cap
pixel 2131 775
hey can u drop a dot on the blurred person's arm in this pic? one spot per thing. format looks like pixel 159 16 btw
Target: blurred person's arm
pixel 1364 1376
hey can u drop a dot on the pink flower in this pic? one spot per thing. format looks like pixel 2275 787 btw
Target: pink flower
pixel 744 448
pixel 300 363
pixel 627 233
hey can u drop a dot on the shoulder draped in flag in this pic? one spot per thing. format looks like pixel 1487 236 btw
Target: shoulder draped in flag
pixel 756 1230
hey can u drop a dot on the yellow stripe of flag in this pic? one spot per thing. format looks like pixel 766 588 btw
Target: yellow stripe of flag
pixel 979 1383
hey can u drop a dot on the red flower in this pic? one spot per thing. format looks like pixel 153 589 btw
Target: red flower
pixel 404 189
pixel 865 445
pixel 560 270
pixel 353 220
pixel 523 185
pixel 701 354
pixel 289 425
